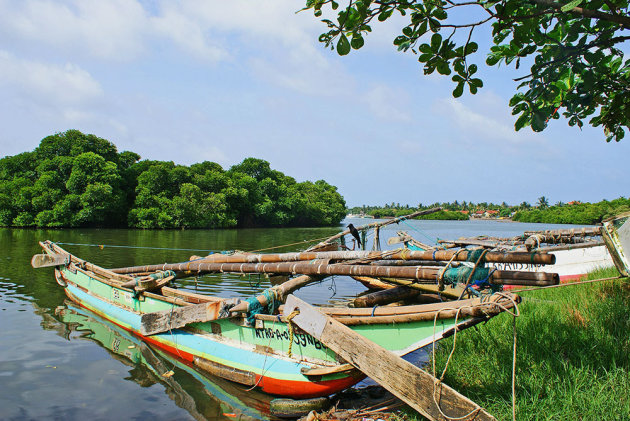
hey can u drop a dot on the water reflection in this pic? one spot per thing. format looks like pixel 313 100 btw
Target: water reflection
pixel 202 396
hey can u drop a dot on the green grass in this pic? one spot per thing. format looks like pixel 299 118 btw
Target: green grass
pixel 573 355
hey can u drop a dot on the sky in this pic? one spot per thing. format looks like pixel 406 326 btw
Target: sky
pixel 189 81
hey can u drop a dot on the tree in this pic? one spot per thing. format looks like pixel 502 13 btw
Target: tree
pixel 543 202
pixel 573 48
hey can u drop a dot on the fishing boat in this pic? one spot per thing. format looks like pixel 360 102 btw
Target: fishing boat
pixel 239 342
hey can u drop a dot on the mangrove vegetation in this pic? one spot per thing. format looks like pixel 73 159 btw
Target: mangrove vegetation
pixel 574 212
pixel 74 179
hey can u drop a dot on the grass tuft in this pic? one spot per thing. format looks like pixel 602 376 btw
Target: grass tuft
pixel 573 355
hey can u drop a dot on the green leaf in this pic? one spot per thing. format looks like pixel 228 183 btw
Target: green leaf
pixel 383 16
pixel 493 59
pixel 425 48
pixel 459 90
pixel 477 83
pixel 471 48
pixel 357 41
pixel 343 46
pixel 472 69
pixel 538 122
pixel 422 29
pixel 570 5
pixel 443 68
pixel 434 25
pixel 522 121
pixel 440 14
pixel 436 42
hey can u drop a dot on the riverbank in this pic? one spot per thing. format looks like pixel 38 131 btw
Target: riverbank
pixel 573 355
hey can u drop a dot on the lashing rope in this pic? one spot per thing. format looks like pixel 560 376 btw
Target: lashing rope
pixel 516 313
pixel 290 326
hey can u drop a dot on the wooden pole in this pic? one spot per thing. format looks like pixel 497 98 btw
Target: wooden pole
pixel 401 254
pixel 387 296
pixel 572 232
pixel 429 275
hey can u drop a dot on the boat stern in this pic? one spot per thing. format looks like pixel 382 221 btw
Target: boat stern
pixel 616 234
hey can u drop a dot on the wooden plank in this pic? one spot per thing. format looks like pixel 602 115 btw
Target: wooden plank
pixel 163 321
pixel 49 260
pixel 413 385
pixel 190 297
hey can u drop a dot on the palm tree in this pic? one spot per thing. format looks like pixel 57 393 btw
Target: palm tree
pixel 543 202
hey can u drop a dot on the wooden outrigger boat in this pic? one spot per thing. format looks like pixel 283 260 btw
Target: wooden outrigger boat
pixel 267 352
pixel 577 251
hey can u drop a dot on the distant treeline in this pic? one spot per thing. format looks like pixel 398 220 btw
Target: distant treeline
pixel 76 180
pixel 561 213
pixel 575 213
pixel 442 215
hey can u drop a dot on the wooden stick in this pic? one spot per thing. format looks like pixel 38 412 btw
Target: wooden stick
pixel 384 283
pixel 386 296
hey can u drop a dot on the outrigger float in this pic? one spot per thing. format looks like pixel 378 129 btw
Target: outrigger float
pixel 296 350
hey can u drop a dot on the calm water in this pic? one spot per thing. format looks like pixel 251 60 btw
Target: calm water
pixel 61 362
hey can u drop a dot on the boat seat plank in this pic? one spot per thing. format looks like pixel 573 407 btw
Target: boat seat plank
pixel 190 297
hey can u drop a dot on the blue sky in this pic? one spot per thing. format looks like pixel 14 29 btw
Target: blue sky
pixel 189 81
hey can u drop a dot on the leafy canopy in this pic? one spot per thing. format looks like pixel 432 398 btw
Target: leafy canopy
pixel 74 179
pixel 573 48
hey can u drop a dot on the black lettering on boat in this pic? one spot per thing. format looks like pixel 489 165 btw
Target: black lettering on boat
pixel 258 333
pixel 309 338
pixel 318 344
pixel 303 339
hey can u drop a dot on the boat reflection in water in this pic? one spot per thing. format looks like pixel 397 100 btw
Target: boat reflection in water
pixel 202 395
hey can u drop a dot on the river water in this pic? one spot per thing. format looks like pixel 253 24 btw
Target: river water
pixel 58 361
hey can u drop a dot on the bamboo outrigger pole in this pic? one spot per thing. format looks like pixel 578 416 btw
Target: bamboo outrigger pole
pixel 429 275
pixel 402 255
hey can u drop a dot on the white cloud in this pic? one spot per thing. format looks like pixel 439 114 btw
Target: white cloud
pixel 111 29
pixel 388 103
pixel 187 32
pixel 269 37
pixel 125 29
pixel 66 85
pixel 489 121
